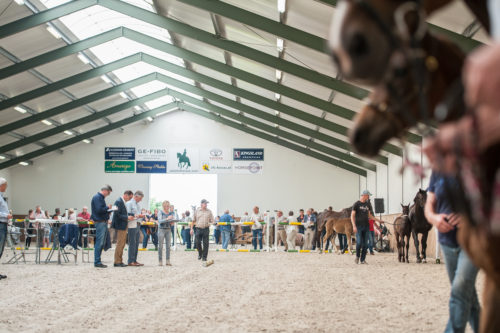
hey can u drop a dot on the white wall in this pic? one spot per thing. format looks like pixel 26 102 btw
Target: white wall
pixel 290 180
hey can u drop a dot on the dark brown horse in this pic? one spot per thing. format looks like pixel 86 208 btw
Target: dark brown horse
pixel 403 96
pixel 419 224
pixel 402 229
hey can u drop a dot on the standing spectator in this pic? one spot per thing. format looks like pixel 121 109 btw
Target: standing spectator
pixel 5 216
pixel 256 218
pixel 371 236
pixel 38 214
pixel 145 229
pixel 84 216
pixel 29 229
pixel 217 231
pixel 164 232
pixel 359 218
pixel 154 229
pixel 226 229
pixel 245 228
pixel 291 231
pixel 343 244
pixel 186 231
pixel 183 227
pixel 281 229
pixel 172 227
pixel 119 223
pixel 309 226
pixel 203 217
pixel 100 216
pixel 134 210
pixel 463 305
pixel 300 219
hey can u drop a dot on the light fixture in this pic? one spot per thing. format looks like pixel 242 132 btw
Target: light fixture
pixel 47 122
pixel 150 118
pixel 19 2
pixel 277 96
pixel 86 141
pixel 67 132
pixel 281 6
pixel 279 44
pixel 138 108
pixel 2 157
pixel 54 32
pixel 278 75
pixel 24 163
pixel 351 153
pixel 277 113
pixel 105 78
pixel 83 58
pixel 20 109
pixel 276 125
pixel 123 95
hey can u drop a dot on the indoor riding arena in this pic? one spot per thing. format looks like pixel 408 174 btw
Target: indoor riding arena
pixel 133 140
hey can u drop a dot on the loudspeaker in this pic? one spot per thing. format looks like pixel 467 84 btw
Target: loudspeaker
pixel 379 206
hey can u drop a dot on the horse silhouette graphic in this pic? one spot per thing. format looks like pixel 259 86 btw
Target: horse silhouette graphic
pixel 183 161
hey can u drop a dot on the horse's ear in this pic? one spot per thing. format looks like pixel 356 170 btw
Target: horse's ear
pixel 402 206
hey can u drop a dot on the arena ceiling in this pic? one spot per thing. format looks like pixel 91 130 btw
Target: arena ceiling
pixel 74 70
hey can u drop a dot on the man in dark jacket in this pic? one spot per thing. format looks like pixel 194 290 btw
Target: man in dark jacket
pixel 100 216
pixel 119 223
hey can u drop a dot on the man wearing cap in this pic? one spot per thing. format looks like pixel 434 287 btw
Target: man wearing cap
pixel 361 212
pixel 5 216
pixel 202 218
pixel 100 216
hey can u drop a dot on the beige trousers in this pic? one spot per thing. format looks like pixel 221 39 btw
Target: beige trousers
pixel 121 240
pixel 308 239
pixel 282 237
pixel 290 238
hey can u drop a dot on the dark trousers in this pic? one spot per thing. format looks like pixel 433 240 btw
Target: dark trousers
pixel 80 236
pixel 186 237
pixel 362 242
pixel 301 229
pixel 3 236
pixel 145 236
pixel 343 242
pixel 202 236
pixel 217 236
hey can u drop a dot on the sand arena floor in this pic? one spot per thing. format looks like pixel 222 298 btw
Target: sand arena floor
pixel 276 292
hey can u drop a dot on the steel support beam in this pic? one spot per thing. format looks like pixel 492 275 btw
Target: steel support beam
pixel 87 135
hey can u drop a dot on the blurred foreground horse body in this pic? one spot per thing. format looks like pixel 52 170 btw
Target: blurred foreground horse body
pixel 386 44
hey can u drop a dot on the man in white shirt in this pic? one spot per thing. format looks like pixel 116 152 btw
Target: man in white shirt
pixel 133 209
pixel 291 231
pixel 281 229
pixel 256 218
pixel 5 216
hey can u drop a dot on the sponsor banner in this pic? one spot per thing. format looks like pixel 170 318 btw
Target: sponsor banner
pixel 216 160
pixel 248 154
pixel 151 154
pixel 182 159
pixel 119 166
pixel 151 167
pixel 119 153
pixel 248 167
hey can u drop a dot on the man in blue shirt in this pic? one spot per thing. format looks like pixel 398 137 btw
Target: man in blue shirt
pixel 439 210
pixel 226 229
pixel 5 216
pixel 100 216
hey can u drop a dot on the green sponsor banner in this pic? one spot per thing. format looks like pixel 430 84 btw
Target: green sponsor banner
pixel 119 166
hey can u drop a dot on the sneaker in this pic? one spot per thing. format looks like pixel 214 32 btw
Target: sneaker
pixel 364 262
pixel 160 263
pixel 356 261
pixel 199 257
pixel 100 266
pixel 372 253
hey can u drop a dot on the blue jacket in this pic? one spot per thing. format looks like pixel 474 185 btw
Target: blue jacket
pixel 99 208
pixel 68 234
pixel 120 217
pixel 226 218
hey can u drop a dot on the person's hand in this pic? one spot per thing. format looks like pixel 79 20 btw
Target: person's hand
pixel 191 232
pixel 130 218
pixel 354 229
pixel 455 219
pixel 481 77
pixel 109 206
pixel 441 223
pixel 9 216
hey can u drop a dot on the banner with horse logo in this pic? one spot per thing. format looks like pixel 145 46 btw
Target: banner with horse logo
pixel 183 159
pixel 216 160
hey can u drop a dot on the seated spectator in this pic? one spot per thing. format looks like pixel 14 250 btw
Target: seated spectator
pixel 71 216
pixel 245 228
pixel 281 229
pixel 47 235
pixel 291 231
pixel 39 214
pixel 225 229
pixel 83 216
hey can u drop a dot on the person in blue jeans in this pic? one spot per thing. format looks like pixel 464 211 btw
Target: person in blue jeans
pixel 186 232
pixel 439 211
pixel 100 216
pixel 257 218
pixel 225 229
pixel 360 215
pixel 5 216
